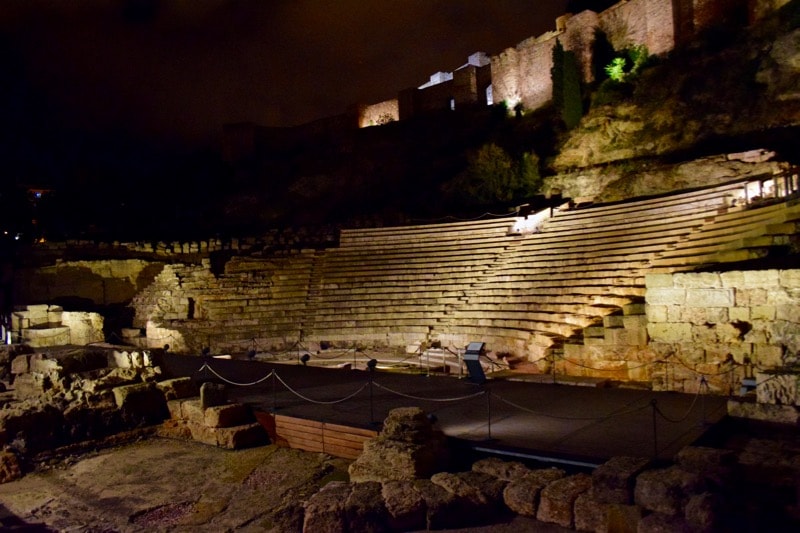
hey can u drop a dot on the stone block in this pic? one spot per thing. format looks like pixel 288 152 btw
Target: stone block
pixel 623 518
pixel 707 512
pixel 756 336
pixel 614 480
pixel 31 385
pixel 244 436
pixel 715 465
pixel 716 315
pixel 223 416
pixel 633 309
pixel 656 313
pixel 662 523
pixel 666 490
pixel 764 312
pixel 613 321
pixel 751 297
pixel 709 297
pixel 175 408
pixel 698 280
pixel 405 506
pixel 704 334
pixel 666 296
pixel 789 279
pixel 764 279
pixel 788 312
pixel 741 314
pixel 627 337
pixel 178 388
pixel 20 364
pixel 557 499
pixel 324 511
pixel 590 515
pixel 212 394
pixel 767 355
pixel 670 333
pixel 675 313
pixel 175 429
pixel 634 321
pixel 443 508
pixel 777 388
pixel 521 495
pixel 193 412
pixel 593 331
pixel 202 433
pixel 654 281
pixel 505 470
pixel 141 403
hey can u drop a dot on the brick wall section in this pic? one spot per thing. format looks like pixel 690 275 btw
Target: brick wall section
pixel 713 323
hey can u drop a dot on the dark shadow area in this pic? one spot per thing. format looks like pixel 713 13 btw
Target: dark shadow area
pixel 10 522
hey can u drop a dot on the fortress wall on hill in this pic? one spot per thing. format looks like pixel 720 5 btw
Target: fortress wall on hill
pixel 522 74
pixel 640 22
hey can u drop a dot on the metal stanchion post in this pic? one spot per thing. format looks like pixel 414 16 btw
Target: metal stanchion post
pixel 371 364
pixel 488 410
pixel 654 404
pixel 274 392
pixel 703 391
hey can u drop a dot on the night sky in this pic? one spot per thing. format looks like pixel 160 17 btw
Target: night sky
pixel 177 70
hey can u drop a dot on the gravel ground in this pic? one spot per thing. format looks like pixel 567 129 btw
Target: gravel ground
pixel 159 484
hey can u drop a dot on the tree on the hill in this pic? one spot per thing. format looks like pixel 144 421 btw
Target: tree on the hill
pixel 566 86
pixel 493 176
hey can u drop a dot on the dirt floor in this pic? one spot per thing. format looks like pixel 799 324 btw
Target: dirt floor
pixel 157 484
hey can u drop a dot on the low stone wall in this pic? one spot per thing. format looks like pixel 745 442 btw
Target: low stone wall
pixel 704 489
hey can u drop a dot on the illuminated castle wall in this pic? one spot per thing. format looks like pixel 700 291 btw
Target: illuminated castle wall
pixel 521 74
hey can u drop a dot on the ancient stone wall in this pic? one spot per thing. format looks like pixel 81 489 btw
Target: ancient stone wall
pixel 521 75
pixel 640 22
pixel 254 301
pixel 104 282
pixel 720 327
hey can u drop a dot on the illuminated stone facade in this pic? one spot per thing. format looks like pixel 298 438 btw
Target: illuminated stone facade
pixel 520 75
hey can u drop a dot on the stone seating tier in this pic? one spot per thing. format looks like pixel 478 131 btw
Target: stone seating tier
pixel 474 280
pixel 416 234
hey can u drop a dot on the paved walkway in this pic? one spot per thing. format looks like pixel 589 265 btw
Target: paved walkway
pixel 565 423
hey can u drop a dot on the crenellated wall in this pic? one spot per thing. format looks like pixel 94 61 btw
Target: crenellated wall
pixel 521 74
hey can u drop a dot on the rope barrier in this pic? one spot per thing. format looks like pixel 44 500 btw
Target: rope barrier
pixel 479 217
pixel 409 396
pixel 688 412
pixel 595 418
pixel 207 367
pixel 320 402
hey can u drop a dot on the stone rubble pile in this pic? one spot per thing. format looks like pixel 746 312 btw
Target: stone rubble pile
pixel 703 490
pixel 84 394
pixel 211 419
